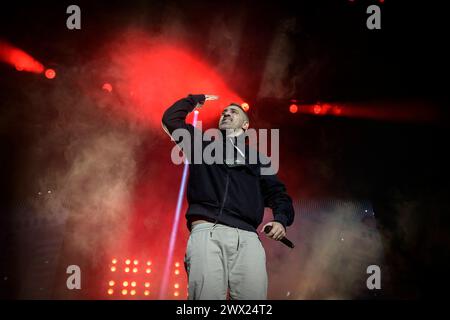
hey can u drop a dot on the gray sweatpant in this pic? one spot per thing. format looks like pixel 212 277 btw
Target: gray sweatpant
pixel 220 258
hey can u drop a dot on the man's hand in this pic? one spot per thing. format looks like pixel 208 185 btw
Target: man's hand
pixel 211 97
pixel 277 233
pixel 207 97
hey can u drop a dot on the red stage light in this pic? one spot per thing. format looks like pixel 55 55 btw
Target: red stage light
pixel 127 269
pixel 113 268
pixel 176 286
pixel 245 106
pixel 177 264
pixel 148 270
pixel 107 87
pixel 337 110
pixel 317 109
pixel 114 261
pixel 128 261
pixel 146 292
pixel 111 283
pixel 147 284
pixel 149 263
pixel 326 108
pixel 124 292
pixel 125 283
pixel 133 292
pixel 135 262
pixel 110 291
pixel 293 108
pixel 133 284
pixel 18 58
pixel 50 74
pixel 176 294
pixel 177 272
pixel 135 270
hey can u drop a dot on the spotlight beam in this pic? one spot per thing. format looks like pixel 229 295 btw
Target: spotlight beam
pixel 176 222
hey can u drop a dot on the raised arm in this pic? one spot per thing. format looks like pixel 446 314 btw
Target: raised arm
pixel 175 116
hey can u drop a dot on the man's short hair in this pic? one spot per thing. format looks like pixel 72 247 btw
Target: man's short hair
pixel 240 107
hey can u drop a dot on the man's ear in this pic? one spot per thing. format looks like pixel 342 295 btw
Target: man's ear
pixel 245 125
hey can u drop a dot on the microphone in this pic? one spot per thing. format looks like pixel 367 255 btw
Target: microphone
pixel 284 239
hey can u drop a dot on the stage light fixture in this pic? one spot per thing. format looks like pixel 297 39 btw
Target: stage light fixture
pixel 293 108
pixel 317 109
pixel 50 74
pixel 107 87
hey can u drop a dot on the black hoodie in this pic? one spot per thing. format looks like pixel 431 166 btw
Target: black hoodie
pixel 233 194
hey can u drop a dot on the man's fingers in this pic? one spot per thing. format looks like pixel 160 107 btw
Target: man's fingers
pixel 211 97
pixel 276 233
pixel 271 233
pixel 279 235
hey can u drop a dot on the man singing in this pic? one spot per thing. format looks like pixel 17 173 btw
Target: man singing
pixel 224 255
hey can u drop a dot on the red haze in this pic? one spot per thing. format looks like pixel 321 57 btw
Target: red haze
pixel 150 75
pixel 19 59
